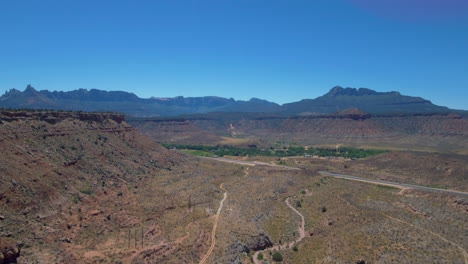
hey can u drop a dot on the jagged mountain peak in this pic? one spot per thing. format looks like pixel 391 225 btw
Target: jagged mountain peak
pixel 11 92
pixel 29 89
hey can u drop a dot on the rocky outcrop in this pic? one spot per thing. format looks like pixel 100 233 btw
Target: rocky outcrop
pixel 235 250
pixel 353 113
pixel 254 243
pixel 53 117
pixel 9 251
pixel 260 242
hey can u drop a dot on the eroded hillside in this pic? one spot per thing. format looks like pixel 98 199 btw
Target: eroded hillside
pixel 79 187
pixel 442 133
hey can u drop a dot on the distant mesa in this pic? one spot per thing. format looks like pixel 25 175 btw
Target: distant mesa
pixel 340 91
pixel 370 101
pixel 353 113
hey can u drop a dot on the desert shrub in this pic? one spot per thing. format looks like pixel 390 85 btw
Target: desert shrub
pixel 277 257
pixel 260 256
pixel 295 248
pixel 298 204
pixel 86 191
pixel 76 199
pixel 324 209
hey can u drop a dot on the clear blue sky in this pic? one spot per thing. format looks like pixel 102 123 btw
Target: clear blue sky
pixel 279 50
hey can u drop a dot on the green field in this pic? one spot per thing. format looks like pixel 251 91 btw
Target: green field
pixel 219 151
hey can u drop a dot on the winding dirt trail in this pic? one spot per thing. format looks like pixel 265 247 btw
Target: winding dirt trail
pixel 215 225
pixel 300 229
pixel 246 172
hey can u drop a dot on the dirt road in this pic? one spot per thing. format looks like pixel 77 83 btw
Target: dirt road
pixel 215 225
pixel 251 163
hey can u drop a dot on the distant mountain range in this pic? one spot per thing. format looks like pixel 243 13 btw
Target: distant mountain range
pixel 336 100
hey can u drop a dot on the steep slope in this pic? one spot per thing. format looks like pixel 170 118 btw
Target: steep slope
pixel 338 99
pixel 73 186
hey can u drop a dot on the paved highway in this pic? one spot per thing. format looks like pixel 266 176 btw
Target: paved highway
pixel 396 184
pixel 348 177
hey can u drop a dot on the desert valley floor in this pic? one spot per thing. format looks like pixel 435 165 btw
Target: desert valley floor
pixel 88 188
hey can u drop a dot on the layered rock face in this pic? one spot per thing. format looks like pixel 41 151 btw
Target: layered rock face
pixel 66 175
pixel 442 133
